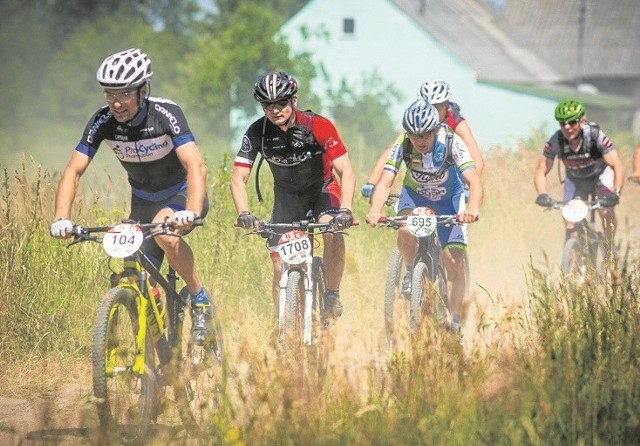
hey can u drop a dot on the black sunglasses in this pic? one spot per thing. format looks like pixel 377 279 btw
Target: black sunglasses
pixel 571 123
pixel 282 103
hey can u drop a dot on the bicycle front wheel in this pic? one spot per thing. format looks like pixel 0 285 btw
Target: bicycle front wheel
pixel 124 380
pixel 573 264
pixel 199 386
pixel 291 326
pixel 428 295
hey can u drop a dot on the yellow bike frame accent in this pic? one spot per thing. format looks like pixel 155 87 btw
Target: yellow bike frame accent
pixel 148 315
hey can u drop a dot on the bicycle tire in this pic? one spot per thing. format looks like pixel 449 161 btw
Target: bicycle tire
pixel 126 400
pixel 428 295
pixel 291 336
pixel 392 292
pixel 573 266
pixel 198 388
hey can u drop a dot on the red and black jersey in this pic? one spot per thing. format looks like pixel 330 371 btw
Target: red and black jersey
pixel 299 158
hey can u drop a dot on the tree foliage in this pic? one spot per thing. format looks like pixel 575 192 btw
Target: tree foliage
pixel 208 63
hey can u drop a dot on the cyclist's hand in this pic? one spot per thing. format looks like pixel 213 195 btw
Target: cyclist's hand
pixel 184 218
pixel 344 219
pixel 545 201
pixel 609 200
pixel 468 216
pixel 367 190
pixel 61 228
pixel 247 220
pixel 373 218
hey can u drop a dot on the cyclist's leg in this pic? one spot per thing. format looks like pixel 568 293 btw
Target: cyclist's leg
pixel 608 215
pixel 454 242
pixel 325 208
pixel 407 243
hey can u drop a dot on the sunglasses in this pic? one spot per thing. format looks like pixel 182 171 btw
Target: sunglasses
pixel 120 97
pixel 569 123
pixel 282 103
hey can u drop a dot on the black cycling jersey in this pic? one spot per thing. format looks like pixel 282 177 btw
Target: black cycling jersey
pixel 145 146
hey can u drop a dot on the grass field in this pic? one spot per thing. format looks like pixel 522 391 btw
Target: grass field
pixel 541 363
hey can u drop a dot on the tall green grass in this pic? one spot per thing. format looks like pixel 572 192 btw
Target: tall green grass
pixel 542 362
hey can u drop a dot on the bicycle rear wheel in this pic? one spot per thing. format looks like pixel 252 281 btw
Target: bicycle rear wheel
pixel 428 295
pixel 124 384
pixel 198 388
pixel 318 351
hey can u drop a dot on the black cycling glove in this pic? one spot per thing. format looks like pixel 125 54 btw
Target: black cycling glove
pixel 609 200
pixel 544 200
pixel 344 218
pixel 247 220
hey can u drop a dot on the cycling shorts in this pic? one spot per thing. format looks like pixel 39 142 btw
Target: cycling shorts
pixel 145 211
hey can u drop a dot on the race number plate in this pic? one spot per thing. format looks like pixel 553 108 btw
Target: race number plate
pixel 294 246
pixel 575 210
pixel 422 222
pixel 122 240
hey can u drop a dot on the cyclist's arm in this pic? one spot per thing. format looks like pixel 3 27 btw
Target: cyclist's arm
pixel 68 185
pixel 613 160
pixel 342 166
pixel 472 211
pixel 540 176
pixel 379 197
pixel 239 178
pixel 464 131
pixel 190 157
pixel 376 173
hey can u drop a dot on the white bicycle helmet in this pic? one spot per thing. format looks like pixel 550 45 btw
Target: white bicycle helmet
pixel 126 69
pixel 275 86
pixel 435 91
pixel 420 117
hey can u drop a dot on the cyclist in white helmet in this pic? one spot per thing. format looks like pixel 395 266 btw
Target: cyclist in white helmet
pixel 438 165
pixel 438 93
pixel 151 138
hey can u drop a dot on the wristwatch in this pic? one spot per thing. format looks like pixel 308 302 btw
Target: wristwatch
pixel 616 191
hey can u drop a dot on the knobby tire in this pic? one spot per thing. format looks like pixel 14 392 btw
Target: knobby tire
pixel 125 400
pixel 198 388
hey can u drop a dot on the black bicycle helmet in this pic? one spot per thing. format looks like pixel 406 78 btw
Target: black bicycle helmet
pixel 275 86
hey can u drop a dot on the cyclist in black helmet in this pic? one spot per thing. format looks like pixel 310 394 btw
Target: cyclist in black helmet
pixel 303 150
pixel 151 138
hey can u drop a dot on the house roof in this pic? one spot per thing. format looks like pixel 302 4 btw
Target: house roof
pixel 536 42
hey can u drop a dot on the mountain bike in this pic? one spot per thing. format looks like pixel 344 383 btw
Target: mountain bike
pixel 302 320
pixel 586 253
pixel 428 296
pixel 141 341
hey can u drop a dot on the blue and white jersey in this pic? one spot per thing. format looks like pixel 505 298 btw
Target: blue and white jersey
pixel 435 175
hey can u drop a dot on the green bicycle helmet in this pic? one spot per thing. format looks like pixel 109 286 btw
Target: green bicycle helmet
pixel 569 109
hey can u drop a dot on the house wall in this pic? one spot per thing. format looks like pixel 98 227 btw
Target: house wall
pixel 388 41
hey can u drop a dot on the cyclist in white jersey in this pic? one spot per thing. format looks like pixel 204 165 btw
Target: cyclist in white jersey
pixel 436 174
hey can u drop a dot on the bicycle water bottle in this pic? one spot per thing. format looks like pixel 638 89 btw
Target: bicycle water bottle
pixel 155 292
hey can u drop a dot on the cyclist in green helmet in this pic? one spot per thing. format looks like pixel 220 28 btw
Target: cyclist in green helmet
pixel 593 167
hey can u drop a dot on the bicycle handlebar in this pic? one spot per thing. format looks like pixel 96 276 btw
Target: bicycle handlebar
pixel 82 233
pixel 395 222
pixel 267 228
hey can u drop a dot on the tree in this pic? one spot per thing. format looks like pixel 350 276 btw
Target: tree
pixel 221 73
